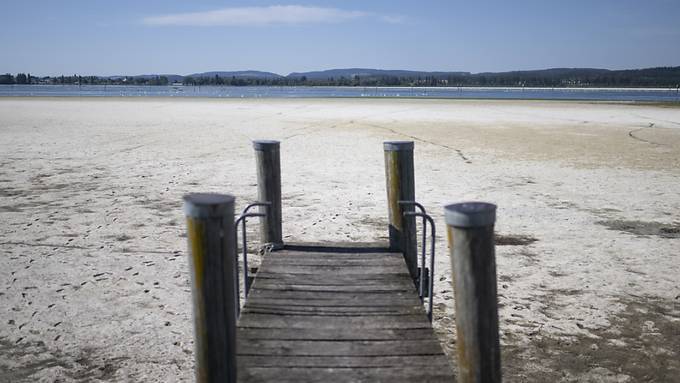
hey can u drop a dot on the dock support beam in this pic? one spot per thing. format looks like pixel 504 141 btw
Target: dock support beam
pixel 212 262
pixel 399 174
pixel 473 263
pixel 268 159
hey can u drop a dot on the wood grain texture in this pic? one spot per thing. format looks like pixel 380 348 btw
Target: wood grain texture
pixel 214 283
pixel 268 162
pixel 348 374
pixel 400 183
pixel 319 315
pixel 473 263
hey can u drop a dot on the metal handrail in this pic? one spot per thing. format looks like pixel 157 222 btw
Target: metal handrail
pixel 426 219
pixel 432 239
pixel 242 218
pixel 413 203
pixel 421 283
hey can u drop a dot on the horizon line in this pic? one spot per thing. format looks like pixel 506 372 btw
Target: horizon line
pixel 349 68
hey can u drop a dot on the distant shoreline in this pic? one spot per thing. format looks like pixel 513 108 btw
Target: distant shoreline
pixel 512 88
pixel 656 77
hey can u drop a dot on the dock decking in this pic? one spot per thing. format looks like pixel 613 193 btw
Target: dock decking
pixel 337 313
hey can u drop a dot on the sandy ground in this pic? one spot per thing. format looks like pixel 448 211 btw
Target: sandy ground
pixel 93 265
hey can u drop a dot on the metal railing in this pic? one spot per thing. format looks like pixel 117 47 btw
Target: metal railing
pixel 242 219
pixel 423 270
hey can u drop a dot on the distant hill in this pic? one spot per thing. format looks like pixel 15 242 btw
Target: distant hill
pixel 660 76
pixel 666 77
pixel 553 77
pixel 364 72
pixel 552 72
pixel 238 74
pixel 587 72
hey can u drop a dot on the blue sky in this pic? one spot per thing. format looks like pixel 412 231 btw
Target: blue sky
pixel 171 36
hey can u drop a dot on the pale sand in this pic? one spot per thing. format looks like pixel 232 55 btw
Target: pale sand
pixel 94 275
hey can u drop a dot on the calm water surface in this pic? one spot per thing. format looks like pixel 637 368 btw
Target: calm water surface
pixel 663 95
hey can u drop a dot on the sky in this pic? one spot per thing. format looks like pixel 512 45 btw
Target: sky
pixel 98 37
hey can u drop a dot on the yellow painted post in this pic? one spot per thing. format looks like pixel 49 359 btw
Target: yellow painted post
pixel 212 262
pixel 470 229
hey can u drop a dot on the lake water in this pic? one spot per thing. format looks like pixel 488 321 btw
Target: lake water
pixel 599 94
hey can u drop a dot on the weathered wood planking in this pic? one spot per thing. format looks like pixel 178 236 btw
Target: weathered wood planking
pixel 337 314
pixel 325 374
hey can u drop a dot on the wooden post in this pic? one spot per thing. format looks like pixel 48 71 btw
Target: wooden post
pixel 399 175
pixel 473 262
pixel 268 160
pixel 212 262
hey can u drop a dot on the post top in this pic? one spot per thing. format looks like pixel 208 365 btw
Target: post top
pixel 392 146
pixel 206 205
pixel 266 144
pixel 470 214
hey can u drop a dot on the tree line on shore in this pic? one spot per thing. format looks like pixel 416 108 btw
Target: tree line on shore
pixel 665 77
pixel 27 79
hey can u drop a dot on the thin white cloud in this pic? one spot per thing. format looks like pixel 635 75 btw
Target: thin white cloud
pixel 393 19
pixel 257 16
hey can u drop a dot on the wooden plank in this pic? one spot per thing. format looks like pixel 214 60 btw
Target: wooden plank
pixel 342 375
pixel 365 297
pixel 343 333
pixel 334 256
pixel 333 270
pixel 356 303
pixel 421 361
pixel 338 247
pixel 326 313
pixel 317 281
pixel 317 284
pixel 304 309
pixel 345 279
pixel 339 348
pixel 295 261
pixel 341 288
pixel 263 274
pixel 324 322
pixel 286 256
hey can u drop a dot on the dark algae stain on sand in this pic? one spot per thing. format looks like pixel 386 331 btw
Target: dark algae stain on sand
pixel 514 240
pixel 86 366
pixel 642 344
pixel 643 228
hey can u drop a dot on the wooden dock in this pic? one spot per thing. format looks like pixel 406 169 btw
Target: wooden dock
pixel 337 313
pixel 344 312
